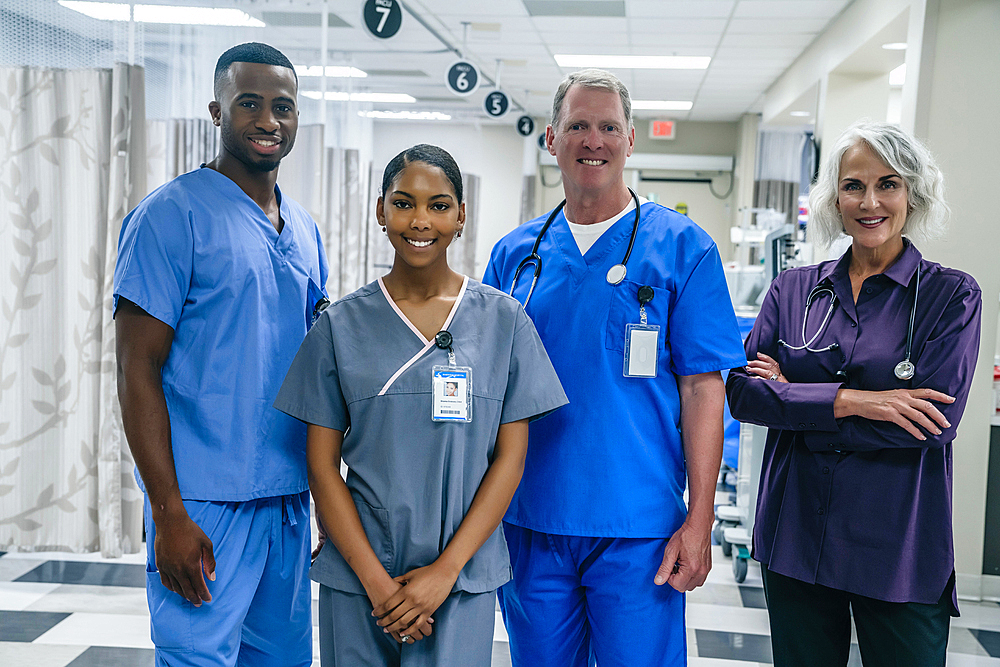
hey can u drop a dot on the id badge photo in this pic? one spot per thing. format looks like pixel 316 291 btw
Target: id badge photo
pixel 451 394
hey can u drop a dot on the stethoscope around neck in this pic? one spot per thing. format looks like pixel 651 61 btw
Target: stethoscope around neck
pixel 616 273
pixel 904 370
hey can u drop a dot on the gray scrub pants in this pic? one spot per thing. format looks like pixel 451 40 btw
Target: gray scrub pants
pixel 349 636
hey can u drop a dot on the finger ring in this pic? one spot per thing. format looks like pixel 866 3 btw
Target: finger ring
pixel 404 638
pixel 774 376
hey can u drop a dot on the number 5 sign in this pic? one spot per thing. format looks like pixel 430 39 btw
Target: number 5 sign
pixel 463 78
pixel 383 17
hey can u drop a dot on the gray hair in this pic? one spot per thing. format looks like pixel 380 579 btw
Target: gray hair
pixel 928 212
pixel 592 78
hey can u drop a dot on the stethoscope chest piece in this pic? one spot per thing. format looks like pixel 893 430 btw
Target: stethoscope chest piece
pixel 616 274
pixel 904 370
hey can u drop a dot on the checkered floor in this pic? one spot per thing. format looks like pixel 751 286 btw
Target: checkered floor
pixel 59 610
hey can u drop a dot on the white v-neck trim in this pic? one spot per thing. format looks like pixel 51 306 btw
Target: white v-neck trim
pixel 428 344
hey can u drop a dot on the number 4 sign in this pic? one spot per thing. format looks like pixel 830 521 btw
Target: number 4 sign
pixel 383 17
pixel 463 78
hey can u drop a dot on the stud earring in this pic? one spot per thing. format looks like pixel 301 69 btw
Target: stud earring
pixel 459 234
pixel 383 229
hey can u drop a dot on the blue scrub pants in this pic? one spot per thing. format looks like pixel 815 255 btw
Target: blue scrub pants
pixel 577 600
pixel 261 608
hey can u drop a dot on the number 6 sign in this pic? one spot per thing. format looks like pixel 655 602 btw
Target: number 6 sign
pixel 463 78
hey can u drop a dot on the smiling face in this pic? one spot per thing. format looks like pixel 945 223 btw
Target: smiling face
pixel 591 142
pixel 421 215
pixel 871 198
pixel 258 114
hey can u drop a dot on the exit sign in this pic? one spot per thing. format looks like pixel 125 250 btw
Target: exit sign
pixel 662 129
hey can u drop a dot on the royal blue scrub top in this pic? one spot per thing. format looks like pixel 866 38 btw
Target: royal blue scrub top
pixel 611 463
pixel 199 255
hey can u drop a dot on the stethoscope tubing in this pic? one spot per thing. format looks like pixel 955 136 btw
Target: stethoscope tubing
pixel 536 259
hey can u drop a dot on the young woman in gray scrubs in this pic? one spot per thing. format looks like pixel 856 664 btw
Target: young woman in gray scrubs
pixel 416 551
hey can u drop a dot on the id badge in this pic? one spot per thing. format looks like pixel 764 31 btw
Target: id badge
pixel 641 350
pixel 452 394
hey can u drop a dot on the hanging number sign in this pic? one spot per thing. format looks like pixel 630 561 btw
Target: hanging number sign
pixel 383 17
pixel 525 126
pixel 541 142
pixel 463 78
pixel 497 104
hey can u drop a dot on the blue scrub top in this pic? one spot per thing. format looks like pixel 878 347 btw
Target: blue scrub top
pixel 199 255
pixel 611 463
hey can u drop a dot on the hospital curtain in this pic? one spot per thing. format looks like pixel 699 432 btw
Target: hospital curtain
pixel 177 146
pixel 779 169
pixel 72 163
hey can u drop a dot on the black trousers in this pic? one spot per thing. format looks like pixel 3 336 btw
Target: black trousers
pixel 811 626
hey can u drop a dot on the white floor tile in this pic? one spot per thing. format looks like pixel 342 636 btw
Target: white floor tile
pixel 694 661
pixel 981 615
pixel 20 596
pixel 22 653
pixel 12 567
pixel 728 619
pixel 138 558
pixel 105 599
pixel 961 660
pixel 100 630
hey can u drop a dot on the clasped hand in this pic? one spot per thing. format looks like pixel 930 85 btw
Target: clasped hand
pixel 408 611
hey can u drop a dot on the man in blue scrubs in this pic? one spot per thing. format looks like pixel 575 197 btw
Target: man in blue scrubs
pixel 601 542
pixel 216 282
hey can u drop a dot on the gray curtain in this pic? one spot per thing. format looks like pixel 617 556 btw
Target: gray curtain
pixel 779 170
pixel 72 150
pixel 177 146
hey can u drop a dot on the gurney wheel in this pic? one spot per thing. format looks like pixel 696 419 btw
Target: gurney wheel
pixel 740 569
pixel 727 547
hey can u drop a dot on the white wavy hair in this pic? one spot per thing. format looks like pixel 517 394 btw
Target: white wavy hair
pixel 927 213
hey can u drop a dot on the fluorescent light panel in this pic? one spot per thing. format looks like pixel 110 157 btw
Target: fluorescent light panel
pixel 116 11
pixel 634 62
pixel 338 96
pixel 661 105
pixel 332 71
pixel 799 114
pixel 405 115
pixel 895 46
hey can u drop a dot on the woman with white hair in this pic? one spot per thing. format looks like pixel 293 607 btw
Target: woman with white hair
pixel 860 367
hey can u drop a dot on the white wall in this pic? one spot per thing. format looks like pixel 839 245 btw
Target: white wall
pixel 492 152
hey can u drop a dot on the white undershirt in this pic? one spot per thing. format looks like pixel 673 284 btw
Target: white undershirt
pixel 587 235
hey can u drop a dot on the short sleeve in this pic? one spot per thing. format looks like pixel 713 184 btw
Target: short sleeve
pixel 533 388
pixel 311 391
pixel 155 260
pixel 704 335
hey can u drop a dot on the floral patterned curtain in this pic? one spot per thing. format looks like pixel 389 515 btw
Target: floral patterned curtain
pixel 72 164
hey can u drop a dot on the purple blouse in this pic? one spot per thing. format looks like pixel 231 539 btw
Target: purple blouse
pixel 853 504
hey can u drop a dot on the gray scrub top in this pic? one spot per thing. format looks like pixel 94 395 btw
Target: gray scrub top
pixel 413 479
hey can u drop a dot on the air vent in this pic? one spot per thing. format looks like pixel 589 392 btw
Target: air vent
pixel 302 20
pixel 575 7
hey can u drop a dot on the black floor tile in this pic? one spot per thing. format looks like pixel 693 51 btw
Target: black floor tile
pixel 733 646
pixel 93 574
pixel 753 597
pixel 990 641
pixel 102 656
pixel 27 626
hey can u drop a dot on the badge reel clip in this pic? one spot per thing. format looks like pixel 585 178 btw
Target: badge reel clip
pixel 641 349
pixel 451 386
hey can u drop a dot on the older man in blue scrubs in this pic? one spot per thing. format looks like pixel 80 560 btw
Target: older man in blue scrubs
pixel 601 542
pixel 217 278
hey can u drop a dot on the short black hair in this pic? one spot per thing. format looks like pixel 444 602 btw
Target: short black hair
pixel 251 52
pixel 432 155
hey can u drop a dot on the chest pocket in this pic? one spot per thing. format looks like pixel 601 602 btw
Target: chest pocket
pixel 624 310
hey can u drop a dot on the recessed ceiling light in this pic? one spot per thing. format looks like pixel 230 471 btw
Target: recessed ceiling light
pixel 338 96
pixel 634 62
pixel 799 114
pixel 662 105
pixel 405 115
pixel 332 71
pixel 895 46
pixel 898 76
pixel 117 11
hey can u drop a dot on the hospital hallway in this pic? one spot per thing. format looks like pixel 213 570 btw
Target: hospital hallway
pixel 60 610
